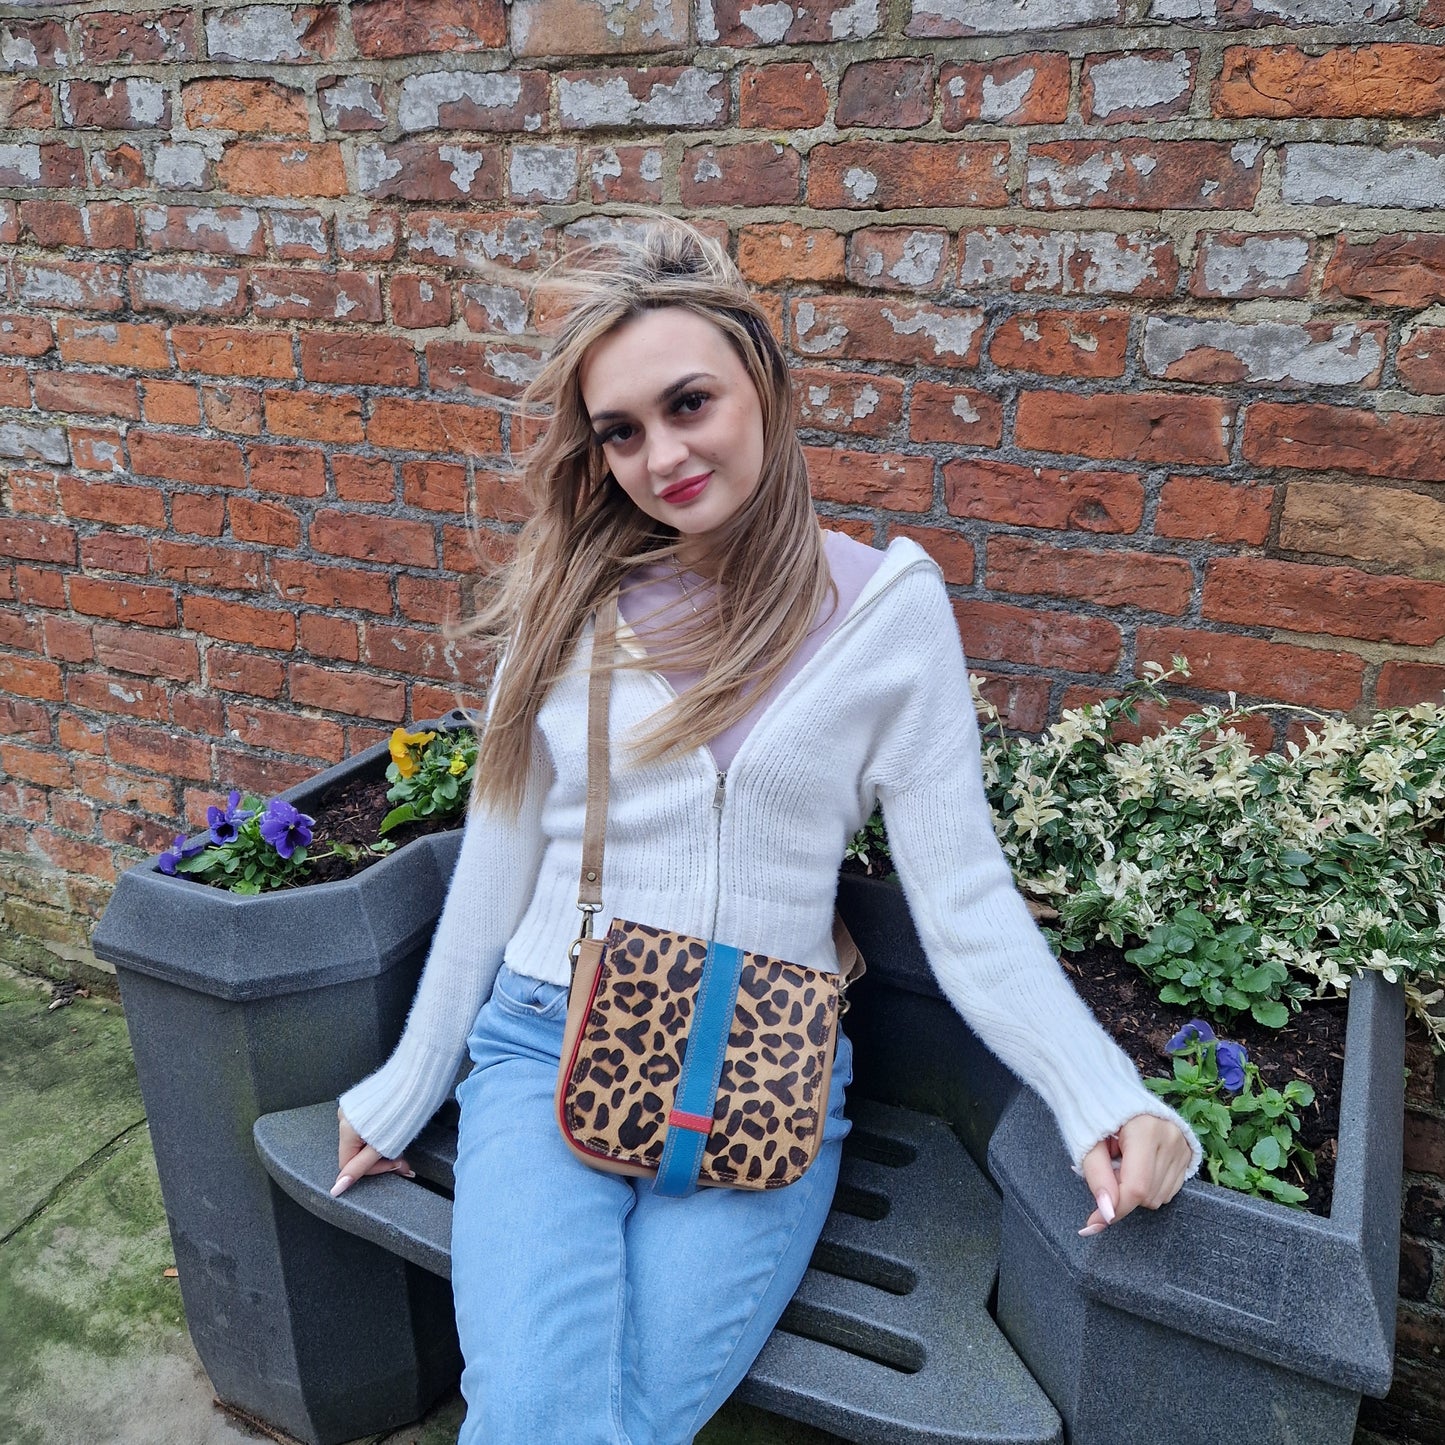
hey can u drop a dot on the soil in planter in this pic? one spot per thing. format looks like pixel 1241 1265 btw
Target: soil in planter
pixel 1310 1047
pixel 351 812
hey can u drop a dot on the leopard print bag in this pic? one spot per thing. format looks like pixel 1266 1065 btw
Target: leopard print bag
pixel 628 1021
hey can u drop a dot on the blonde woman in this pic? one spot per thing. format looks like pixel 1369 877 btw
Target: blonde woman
pixel 776 680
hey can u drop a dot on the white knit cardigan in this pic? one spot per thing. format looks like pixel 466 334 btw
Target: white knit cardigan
pixel 881 714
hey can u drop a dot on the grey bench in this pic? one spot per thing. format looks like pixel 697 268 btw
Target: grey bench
pixel 889 1338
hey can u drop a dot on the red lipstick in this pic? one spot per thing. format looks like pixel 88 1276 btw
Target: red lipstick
pixel 685 490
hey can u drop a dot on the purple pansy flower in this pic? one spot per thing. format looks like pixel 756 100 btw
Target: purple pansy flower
pixel 225 823
pixel 284 828
pixel 177 853
pixel 1194 1029
pixel 1230 1060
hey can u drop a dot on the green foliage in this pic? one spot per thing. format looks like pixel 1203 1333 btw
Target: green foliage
pixel 430 775
pixel 870 848
pixel 1250 1139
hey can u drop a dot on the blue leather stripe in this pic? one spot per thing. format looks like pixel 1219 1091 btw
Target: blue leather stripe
pixel 707 1043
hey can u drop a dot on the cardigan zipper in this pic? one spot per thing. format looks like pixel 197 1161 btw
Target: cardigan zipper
pixel 719 799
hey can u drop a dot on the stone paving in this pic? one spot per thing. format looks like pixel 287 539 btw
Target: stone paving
pixel 93 1343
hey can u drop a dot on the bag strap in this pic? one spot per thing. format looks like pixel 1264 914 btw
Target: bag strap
pixel 594 824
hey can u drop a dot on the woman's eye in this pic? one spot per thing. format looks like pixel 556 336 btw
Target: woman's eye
pixel 692 401
pixel 615 435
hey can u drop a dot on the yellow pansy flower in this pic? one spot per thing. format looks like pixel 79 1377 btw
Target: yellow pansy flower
pixel 457 766
pixel 401 745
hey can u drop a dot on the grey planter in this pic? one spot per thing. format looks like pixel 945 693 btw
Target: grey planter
pixel 241 1006
pixel 1222 1316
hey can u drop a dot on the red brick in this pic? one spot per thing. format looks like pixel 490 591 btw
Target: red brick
pixel 1403 684
pixel 753 173
pixel 21 633
pixel 149 654
pixel 998 632
pixel 857 403
pixel 116 552
pixel 96 451
pixel 416 651
pixel 36 541
pixel 374 539
pixel 898 258
pixel 1339 601
pixel 1070 263
pixel 228 670
pixel 385 29
pixel 282 168
pixel 1111 579
pixel 336 638
pixel 68 285
pixel 271 523
pixel 434 486
pixel 87 393
pixel 631 174
pixel 872 479
pixel 67 639
pixel 231 351
pixel 107 37
pixel 1062 343
pixel 1132 173
pixel 367 235
pixel 787 95
pixel 161 751
pixel 1241 265
pixel 314 415
pixel 219 230
pixel 1084 501
pixel 783 253
pixel 347 692
pixel 187 289
pixel 195 460
pixel 1138 426
pixel 955 414
pixel 232 409
pixel 420 302
pixel 79 735
pixel 1154 85
pixel 39 587
pixel 24 720
pixel 1029 89
pixel 37 493
pixel 289 471
pixel 120 506
pixel 350 296
pixel 15 387
pixel 96 227
pixel 314 585
pixel 364 479
pixel 406 425
pixel 199 565
pixel 1207 510
pixel 1387 81
pixel 171 403
pixel 428 599
pixel 45 770
pixel 1330 438
pixel 895 93
pixel 1255 668
pixel 241 622
pixel 250 106
pixel 119 168
pixel 348 358
pixel 419 171
pixel 351 103
pixel 1421 361
pixel 24 336
pixel 198 514
pixel 74 816
pixel 900 331
pixel 122 104
pixel 128 602
pixel 73 854
pixel 1398 270
pixel 833 20
pixel 299 235
pixel 112 343
pixel 25 104
pixel 892 175
pixel 285 732
pixel 951 550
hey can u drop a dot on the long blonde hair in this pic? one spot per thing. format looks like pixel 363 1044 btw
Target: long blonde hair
pixel 584 534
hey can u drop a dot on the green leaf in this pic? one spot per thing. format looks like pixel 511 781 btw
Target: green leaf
pixel 394 819
pixel 1179 940
pixel 1266 1154
pixel 1271 1015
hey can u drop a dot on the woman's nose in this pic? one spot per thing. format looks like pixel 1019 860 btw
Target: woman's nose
pixel 665 452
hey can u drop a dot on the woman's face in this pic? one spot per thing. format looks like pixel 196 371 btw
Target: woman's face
pixel 678 419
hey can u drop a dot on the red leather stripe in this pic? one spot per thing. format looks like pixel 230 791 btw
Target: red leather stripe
pixel 698 1123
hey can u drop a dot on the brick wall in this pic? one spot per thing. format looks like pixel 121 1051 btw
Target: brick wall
pixel 1133 311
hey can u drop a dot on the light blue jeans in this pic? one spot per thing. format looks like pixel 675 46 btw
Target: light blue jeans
pixel 591 1311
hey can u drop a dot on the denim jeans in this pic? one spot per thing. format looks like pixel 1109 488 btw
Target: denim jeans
pixel 591 1311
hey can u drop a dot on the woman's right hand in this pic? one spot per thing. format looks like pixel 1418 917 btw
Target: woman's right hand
pixel 355 1158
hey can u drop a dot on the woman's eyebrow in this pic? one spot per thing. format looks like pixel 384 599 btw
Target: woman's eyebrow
pixel 666 395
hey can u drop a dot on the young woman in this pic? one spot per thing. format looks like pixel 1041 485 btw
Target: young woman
pixel 774 681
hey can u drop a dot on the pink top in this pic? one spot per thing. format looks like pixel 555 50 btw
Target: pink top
pixel 657 597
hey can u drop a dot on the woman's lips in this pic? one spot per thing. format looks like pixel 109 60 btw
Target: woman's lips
pixel 685 490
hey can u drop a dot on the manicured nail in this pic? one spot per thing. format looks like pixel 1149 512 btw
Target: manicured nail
pixel 343 1183
pixel 407 1173
pixel 1089 1229
pixel 1105 1207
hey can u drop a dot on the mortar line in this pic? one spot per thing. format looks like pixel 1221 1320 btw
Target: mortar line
pixel 83 1170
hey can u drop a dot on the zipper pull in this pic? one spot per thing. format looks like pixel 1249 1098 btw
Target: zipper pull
pixel 717 796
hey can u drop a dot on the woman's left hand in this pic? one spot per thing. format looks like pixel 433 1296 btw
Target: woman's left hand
pixel 1152 1155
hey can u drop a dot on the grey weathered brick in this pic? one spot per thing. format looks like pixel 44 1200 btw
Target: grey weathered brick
pixel 1411 177
pixel 1313 354
pixel 1007 17
pixel 42 443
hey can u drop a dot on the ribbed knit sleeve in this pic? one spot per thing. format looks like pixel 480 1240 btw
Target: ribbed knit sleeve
pixel 989 957
pixel 495 873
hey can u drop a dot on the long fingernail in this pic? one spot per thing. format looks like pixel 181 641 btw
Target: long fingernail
pixel 343 1183
pixel 407 1173
pixel 1089 1229
pixel 1106 1208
